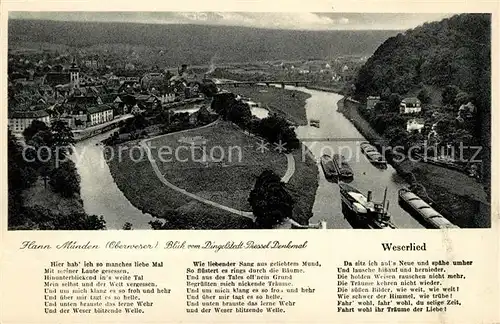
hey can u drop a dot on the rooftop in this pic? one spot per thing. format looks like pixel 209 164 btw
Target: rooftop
pixel 97 109
pixel 411 100
pixel 56 78
pixel 29 114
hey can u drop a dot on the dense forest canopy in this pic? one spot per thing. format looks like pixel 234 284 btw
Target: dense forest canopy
pixel 454 51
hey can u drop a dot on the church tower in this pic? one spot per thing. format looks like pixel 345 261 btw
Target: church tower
pixel 74 75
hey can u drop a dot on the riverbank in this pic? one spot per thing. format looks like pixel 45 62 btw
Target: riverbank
pixel 284 102
pixel 339 89
pixel 459 198
pixel 40 196
pixel 83 134
pixel 303 185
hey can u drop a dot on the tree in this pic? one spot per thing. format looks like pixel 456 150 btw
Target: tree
pixel 156 224
pixel 80 221
pixel 65 179
pixel 34 128
pixel 239 113
pixel 39 153
pixel 127 226
pixel 397 137
pixel 222 102
pixel 462 98
pixel 393 102
pixel 20 175
pixel 271 203
pixel 449 95
pixel 41 218
pixel 62 139
pixel 423 96
pixel 208 88
pixel 445 126
pixel 414 140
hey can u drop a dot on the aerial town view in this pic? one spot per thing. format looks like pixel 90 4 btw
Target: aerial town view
pixel 219 120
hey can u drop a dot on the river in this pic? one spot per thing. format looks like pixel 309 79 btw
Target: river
pixel 99 192
pixel 336 134
pixel 101 195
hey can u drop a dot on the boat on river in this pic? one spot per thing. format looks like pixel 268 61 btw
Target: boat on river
pixel 328 167
pixel 421 210
pixel 372 154
pixel 363 211
pixel 343 168
pixel 314 123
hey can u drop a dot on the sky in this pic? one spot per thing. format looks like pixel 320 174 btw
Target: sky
pixel 275 20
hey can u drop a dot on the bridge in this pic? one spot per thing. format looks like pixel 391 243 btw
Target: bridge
pixel 266 82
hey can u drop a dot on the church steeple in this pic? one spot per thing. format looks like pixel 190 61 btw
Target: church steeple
pixel 74 73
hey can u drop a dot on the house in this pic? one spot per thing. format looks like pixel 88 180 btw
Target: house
pixel 136 110
pixel 204 114
pixel 69 121
pixel 79 102
pixel 70 76
pixel 371 101
pixel 410 105
pixel 168 97
pixel 130 86
pixel 147 101
pixel 120 106
pixel 415 124
pixel 20 120
pixel 99 114
pixel 150 80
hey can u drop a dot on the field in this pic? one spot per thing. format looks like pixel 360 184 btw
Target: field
pixel 199 171
pixel 227 182
pixel 287 103
pixel 144 190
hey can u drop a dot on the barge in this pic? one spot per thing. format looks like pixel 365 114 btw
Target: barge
pixel 421 210
pixel 372 154
pixel 343 168
pixel 328 167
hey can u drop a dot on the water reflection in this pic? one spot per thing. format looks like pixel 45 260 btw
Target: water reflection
pixel 258 112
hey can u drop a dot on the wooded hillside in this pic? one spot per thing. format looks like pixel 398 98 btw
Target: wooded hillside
pixel 452 53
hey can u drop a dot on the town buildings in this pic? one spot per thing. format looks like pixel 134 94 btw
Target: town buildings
pixel 20 120
pixel 99 114
pixel 83 91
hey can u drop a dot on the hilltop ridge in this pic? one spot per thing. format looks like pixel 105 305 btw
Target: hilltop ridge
pixel 176 43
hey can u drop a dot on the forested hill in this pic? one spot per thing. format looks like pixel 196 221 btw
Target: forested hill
pixel 197 44
pixel 454 51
